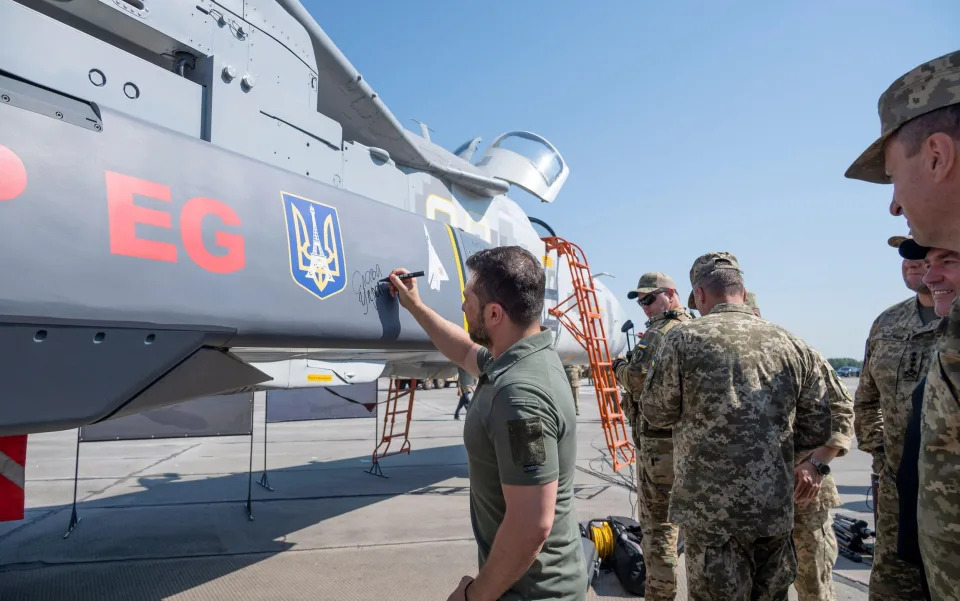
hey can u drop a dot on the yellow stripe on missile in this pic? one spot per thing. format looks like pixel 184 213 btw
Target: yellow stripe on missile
pixel 456 258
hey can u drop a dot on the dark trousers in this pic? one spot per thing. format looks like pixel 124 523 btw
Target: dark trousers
pixel 464 403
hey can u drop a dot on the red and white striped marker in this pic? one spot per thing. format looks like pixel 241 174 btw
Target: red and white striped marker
pixel 13 461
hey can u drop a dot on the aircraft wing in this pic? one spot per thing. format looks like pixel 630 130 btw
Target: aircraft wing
pixel 366 119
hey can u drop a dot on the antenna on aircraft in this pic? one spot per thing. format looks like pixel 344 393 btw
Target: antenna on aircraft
pixel 468 149
pixel 424 129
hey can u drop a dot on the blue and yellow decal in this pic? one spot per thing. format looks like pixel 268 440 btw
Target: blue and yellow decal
pixel 456 259
pixel 317 261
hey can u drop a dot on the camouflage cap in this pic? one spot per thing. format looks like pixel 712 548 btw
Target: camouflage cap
pixel 908 247
pixel 710 262
pixel 930 86
pixel 650 282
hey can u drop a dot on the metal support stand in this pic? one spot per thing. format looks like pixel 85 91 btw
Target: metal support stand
pixel 264 481
pixel 250 481
pixel 375 467
pixel 74 520
pixel 375 470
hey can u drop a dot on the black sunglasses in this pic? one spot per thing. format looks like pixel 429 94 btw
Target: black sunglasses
pixel 649 299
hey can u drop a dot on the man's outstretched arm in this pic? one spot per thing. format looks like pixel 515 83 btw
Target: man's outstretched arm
pixel 449 338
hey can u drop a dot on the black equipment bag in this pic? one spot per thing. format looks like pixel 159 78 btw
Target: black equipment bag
pixel 591 556
pixel 627 558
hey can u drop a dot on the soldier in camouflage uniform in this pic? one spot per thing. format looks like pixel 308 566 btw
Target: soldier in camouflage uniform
pixel 574 375
pixel 744 398
pixel 938 503
pixel 919 152
pixel 943 280
pixel 897 356
pixel 657 295
pixel 813 534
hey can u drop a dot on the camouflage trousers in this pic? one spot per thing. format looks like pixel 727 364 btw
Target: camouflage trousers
pixel 574 374
pixel 891 578
pixel 736 568
pixel 659 543
pixel 816 545
pixel 940 560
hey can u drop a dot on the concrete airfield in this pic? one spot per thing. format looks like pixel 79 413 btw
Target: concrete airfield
pixel 166 519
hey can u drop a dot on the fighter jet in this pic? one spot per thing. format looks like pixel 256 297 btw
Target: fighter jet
pixel 202 197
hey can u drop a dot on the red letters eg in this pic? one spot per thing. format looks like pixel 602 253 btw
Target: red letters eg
pixel 124 215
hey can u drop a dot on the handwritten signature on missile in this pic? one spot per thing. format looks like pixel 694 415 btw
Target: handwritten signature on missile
pixel 366 285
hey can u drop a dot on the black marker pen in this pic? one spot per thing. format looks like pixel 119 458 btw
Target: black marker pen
pixel 405 276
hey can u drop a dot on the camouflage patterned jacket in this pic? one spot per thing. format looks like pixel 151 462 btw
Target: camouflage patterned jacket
pixel 626 400
pixel 632 375
pixel 744 397
pixel 574 372
pixel 841 416
pixel 938 507
pixel 896 358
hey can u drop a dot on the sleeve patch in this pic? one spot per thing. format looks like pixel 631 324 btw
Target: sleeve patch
pixel 526 443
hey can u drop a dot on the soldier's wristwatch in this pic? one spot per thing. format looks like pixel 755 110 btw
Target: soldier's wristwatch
pixel 822 468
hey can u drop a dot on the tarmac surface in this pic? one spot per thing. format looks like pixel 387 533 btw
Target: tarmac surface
pixel 166 519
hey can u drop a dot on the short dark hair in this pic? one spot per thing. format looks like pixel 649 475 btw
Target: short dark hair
pixel 723 282
pixel 511 277
pixel 914 133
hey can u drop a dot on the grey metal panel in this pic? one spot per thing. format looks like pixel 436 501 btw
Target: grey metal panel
pixel 207 371
pixel 273 120
pixel 366 173
pixel 234 6
pixel 27 96
pixel 322 129
pixel 162 96
pixel 275 22
pixel 159 29
pixel 286 86
pixel 130 29
pixel 79 373
pixel 280 143
pixel 426 370
pixel 229 415
pixel 258 295
pixel 331 402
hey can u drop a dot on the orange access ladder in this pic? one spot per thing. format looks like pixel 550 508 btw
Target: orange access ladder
pixel 591 335
pixel 390 431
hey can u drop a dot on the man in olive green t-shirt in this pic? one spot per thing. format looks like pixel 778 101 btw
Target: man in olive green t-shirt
pixel 520 431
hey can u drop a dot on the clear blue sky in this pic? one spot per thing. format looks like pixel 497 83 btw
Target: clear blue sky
pixel 688 127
